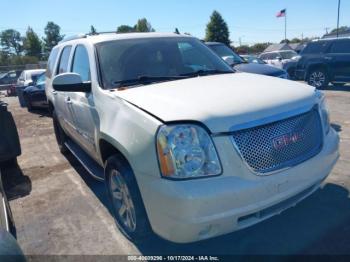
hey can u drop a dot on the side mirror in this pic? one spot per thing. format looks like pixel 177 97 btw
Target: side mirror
pixel 279 58
pixel 70 82
pixel 229 60
pixel 31 83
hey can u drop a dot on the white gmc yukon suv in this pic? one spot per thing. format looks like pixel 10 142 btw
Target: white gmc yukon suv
pixel 187 148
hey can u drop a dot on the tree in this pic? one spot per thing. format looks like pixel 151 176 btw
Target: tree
pixel 32 44
pixel 93 30
pixel 285 41
pixel 53 36
pixel 125 29
pixel 217 30
pixel 258 48
pixel 11 41
pixel 295 40
pixel 243 49
pixel 143 26
pixel 342 29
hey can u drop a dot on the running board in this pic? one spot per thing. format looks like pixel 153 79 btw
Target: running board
pixel 94 169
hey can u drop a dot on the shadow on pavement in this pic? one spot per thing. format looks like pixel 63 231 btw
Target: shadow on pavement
pixel 15 183
pixel 308 228
pixel 41 112
pixel 337 88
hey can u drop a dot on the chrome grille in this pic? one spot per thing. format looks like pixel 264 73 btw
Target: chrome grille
pixel 281 144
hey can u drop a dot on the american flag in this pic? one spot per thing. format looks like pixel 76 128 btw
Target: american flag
pixel 281 13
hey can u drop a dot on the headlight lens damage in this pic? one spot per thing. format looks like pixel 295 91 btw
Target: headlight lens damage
pixel 186 151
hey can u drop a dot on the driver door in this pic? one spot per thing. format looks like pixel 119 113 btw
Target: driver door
pixel 82 104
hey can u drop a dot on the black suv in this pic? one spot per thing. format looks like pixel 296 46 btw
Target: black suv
pixel 324 61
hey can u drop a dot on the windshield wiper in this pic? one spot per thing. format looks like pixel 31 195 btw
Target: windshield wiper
pixel 207 72
pixel 143 80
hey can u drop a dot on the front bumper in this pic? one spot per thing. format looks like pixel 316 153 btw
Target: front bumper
pixel 188 211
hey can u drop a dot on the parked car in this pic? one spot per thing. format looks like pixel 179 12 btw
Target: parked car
pixel 9 150
pixel 253 59
pixel 239 64
pixel 187 148
pixel 27 78
pixel 10 77
pixel 325 61
pixel 34 96
pixel 278 58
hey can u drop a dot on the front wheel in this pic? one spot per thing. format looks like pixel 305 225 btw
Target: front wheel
pixel 127 205
pixel 318 78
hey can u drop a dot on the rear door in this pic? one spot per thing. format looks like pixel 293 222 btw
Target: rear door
pixel 339 60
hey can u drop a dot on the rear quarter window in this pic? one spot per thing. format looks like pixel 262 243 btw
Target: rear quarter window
pixel 51 62
pixel 341 47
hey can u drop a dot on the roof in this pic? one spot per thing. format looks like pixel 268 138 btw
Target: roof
pixel 297 46
pixel 277 47
pixel 110 36
pixel 345 33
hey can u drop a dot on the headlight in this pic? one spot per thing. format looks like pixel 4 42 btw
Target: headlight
pixel 324 113
pixel 186 151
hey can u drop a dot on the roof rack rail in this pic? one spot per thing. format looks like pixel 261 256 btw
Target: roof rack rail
pixel 73 37
pixel 80 36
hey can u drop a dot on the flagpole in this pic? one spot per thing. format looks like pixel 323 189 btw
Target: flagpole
pixel 285 26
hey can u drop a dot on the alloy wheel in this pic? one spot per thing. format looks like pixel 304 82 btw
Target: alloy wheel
pixel 123 204
pixel 317 79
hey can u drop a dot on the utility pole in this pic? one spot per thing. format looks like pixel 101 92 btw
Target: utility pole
pixel 338 18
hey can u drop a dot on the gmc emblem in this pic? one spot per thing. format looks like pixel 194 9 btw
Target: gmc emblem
pixel 287 139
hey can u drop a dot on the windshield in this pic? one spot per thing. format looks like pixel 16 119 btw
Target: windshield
pixel 224 51
pixel 288 54
pixel 41 79
pixel 158 58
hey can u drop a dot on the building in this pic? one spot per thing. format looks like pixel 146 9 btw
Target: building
pixel 277 47
pixel 345 33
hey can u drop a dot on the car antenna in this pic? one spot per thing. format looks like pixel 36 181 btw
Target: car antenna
pixel 177 31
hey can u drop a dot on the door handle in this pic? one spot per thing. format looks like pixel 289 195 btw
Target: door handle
pixel 68 101
pixel 328 58
pixel 54 92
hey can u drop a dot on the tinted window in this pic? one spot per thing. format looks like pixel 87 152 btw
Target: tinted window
pixel 223 51
pixel 51 62
pixel 81 63
pixel 63 64
pixel 314 48
pixel 156 57
pixel 273 56
pixel 341 47
pixel 288 54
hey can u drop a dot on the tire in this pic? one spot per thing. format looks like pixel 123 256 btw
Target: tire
pixel 28 104
pixel 318 78
pixel 61 137
pixel 124 194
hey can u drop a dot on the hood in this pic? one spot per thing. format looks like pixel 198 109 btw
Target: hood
pixel 221 101
pixel 259 69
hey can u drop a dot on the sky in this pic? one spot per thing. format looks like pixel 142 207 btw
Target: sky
pixel 249 21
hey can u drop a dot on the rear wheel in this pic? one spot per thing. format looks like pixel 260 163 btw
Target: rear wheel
pixel 61 137
pixel 318 78
pixel 127 205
